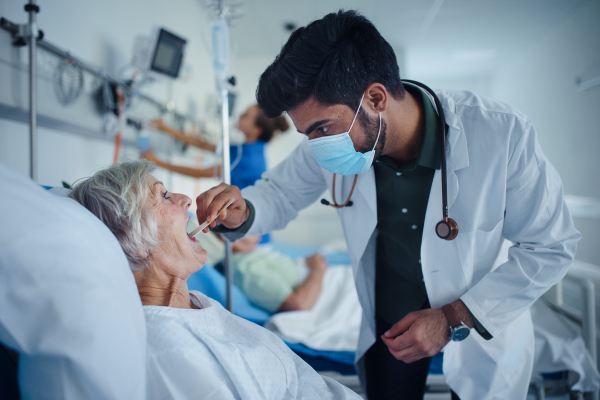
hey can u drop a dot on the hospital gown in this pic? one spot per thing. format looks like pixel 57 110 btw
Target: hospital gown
pixel 267 277
pixel 212 354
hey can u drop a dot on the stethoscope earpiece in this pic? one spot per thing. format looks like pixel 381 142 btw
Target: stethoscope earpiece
pixel 446 229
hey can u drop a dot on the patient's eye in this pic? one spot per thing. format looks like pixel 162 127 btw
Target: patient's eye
pixel 165 196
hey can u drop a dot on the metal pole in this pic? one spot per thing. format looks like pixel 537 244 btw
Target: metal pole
pixel 226 171
pixel 588 321
pixel 220 58
pixel 589 326
pixel 32 9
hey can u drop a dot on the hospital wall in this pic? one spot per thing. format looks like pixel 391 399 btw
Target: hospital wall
pixel 103 34
pixel 542 83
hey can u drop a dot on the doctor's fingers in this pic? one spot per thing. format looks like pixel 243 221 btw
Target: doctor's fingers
pixel 204 201
pixel 401 342
pixel 213 200
pixel 403 325
pixel 409 350
pixel 409 356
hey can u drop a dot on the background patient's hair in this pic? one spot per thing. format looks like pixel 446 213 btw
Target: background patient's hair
pixel 116 195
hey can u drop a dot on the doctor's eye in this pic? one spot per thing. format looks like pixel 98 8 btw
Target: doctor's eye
pixel 324 129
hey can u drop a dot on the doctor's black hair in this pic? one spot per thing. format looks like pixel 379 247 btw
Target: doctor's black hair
pixel 335 59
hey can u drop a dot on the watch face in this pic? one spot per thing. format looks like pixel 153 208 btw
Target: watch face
pixel 460 333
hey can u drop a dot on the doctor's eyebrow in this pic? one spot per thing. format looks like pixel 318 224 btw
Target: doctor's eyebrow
pixel 314 126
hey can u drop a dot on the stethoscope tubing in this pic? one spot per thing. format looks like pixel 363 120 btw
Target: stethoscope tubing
pixel 446 222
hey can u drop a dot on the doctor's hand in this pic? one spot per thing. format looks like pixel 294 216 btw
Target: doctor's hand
pixel 420 334
pixel 213 200
pixel 423 333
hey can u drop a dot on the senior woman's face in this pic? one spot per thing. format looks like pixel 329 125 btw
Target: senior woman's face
pixel 170 213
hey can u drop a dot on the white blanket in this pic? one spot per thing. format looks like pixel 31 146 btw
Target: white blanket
pixel 559 346
pixel 334 321
pixel 211 354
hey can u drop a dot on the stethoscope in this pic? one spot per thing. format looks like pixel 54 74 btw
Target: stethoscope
pixel 447 228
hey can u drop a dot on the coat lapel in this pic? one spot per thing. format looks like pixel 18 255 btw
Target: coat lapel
pixel 441 264
pixel 457 154
pixel 359 220
pixel 365 185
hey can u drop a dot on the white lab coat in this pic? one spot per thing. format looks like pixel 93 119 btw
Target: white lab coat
pixel 501 188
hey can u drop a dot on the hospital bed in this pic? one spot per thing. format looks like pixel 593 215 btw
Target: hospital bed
pixel 340 364
pixel 576 297
pixel 212 283
pixel 586 279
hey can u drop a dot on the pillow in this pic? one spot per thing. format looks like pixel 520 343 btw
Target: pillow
pixel 69 304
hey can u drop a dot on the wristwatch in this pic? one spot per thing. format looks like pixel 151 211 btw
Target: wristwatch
pixel 458 330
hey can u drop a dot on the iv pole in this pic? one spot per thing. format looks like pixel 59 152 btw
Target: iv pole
pixel 31 33
pixel 220 58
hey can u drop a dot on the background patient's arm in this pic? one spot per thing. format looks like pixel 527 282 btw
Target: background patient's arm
pixel 307 293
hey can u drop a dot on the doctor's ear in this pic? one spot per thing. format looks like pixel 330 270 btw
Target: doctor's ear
pixel 377 97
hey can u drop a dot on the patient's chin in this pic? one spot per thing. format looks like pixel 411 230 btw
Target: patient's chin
pixel 200 254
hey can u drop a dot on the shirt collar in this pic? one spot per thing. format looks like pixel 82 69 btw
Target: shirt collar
pixel 429 156
pixel 430 152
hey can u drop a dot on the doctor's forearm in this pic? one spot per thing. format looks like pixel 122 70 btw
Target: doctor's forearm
pixel 463 313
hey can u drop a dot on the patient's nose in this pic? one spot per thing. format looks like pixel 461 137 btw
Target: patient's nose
pixel 184 201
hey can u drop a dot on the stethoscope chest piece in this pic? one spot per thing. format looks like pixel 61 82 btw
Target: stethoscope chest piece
pixel 446 229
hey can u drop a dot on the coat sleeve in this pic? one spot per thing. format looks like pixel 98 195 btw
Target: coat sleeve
pixel 292 185
pixel 539 224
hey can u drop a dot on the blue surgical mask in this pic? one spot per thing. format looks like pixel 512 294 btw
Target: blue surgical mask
pixel 336 153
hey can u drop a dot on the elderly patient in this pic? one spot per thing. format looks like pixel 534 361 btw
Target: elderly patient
pixel 196 348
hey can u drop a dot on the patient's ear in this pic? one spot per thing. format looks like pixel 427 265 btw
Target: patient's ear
pixel 144 253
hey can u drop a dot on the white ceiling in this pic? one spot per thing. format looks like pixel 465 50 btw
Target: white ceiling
pixel 436 37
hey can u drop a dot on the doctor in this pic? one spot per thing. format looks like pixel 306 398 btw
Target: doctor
pixel 378 146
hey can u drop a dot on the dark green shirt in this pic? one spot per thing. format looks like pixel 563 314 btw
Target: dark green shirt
pixel 402 196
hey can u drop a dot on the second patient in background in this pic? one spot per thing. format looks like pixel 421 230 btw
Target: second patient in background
pixel 273 280
pixel 258 130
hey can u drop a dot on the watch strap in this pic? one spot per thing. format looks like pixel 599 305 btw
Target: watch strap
pixel 451 316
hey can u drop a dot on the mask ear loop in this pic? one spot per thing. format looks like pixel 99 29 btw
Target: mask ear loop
pixel 356 115
pixel 378 133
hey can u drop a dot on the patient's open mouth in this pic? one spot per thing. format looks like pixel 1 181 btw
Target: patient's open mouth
pixel 193 239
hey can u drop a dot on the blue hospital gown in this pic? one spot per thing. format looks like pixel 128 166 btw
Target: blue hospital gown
pixel 213 354
pixel 250 167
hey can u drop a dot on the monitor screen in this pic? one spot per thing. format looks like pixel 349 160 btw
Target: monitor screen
pixel 168 54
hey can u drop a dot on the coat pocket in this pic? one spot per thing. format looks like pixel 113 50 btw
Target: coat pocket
pixel 480 251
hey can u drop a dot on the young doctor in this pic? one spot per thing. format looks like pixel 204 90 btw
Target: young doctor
pixel 454 218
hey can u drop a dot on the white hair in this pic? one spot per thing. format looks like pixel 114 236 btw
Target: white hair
pixel 116 195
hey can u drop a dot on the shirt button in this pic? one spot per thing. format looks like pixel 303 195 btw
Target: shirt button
pixel 414 227
pixel 404 211
pixel 398 173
